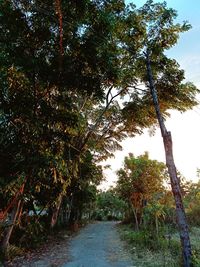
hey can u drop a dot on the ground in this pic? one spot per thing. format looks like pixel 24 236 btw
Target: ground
pixel 96 245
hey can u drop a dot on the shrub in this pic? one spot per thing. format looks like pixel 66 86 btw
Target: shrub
pixel 195 258
pixel 32 235
pixel 193 216
pixel 149 248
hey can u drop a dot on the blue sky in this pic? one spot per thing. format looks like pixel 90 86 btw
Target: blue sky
pixel 185 128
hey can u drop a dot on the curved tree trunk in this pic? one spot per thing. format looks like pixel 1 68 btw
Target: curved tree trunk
pixel 8 231
pixel 175 184
pixel 16 214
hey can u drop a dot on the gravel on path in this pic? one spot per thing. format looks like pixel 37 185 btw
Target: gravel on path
pixel 98 245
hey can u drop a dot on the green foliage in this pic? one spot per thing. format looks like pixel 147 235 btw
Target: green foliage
pixel 141 174
pixel 193 216
pixel 192 201
pixel 195 246
pixel 159 33
pixel 34 235
pixel 140 185
pixel 149 249
pixel 109 206
pixel 195 259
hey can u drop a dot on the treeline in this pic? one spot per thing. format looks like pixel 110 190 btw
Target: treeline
pixel 144 185
pixel 142 200
pixel 73 84
pixel 142 196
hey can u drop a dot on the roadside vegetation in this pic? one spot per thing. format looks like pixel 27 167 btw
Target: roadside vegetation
pixel 149 226
pixel 149 249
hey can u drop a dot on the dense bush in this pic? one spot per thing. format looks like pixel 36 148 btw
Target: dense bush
pixel 193 216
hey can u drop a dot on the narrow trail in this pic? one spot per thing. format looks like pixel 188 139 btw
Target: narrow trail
pixel 98 245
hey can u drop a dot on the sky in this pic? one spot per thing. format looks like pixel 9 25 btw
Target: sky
pixel 185 127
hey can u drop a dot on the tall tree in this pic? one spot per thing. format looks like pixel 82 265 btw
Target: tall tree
pixel 163 78
pixel 52 55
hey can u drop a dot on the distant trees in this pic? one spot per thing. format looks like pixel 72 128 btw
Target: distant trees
pixel 109 206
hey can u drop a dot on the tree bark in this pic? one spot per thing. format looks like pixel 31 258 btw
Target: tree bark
pixel 55 212
pixel 136 218
pixel 175 184
pixel 156 223
pixel 16 213
pixel 64 212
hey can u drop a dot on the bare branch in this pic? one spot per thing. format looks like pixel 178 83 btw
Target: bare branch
pixel 139 89
pixel 107 95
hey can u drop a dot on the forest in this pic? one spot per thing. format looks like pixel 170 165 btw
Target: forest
pixel 77 78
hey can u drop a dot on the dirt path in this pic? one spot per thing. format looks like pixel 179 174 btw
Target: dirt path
pixel 98 245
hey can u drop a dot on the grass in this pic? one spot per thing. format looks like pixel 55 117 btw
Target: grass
pixel 195 242
pixel 148 250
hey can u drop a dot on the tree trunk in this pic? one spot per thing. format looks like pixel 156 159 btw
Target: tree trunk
pixel 55 212
pixel 156 223
pixel 8 232
pixel 64 213
pixel 73 224
pixel 136 218
pixel 16 213
pixel 73 215
pixel 175 184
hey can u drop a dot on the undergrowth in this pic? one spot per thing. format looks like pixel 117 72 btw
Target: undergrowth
pixel 151 250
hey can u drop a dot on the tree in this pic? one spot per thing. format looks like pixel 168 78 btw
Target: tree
pixel 83 189
pixel 162 73
pixel 191 198
pixel 50 57
pixel 138 182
